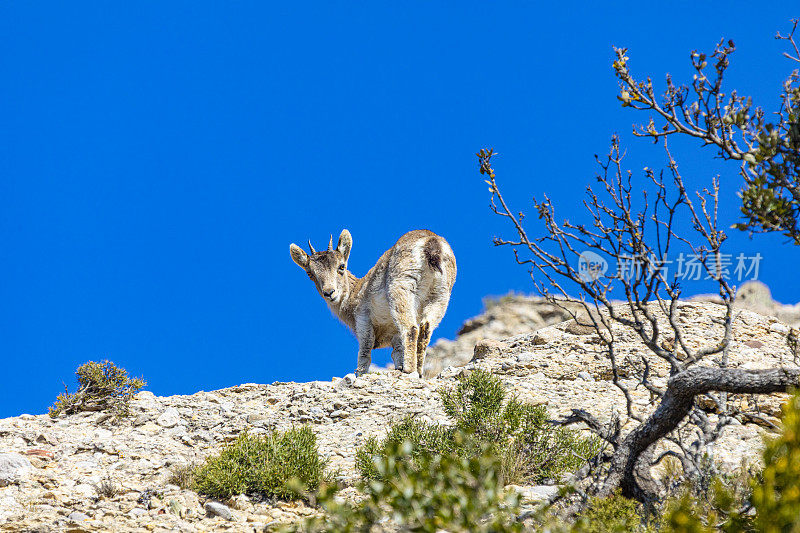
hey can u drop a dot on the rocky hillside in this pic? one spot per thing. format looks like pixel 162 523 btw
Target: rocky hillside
pixel 515 314
pixel 87 473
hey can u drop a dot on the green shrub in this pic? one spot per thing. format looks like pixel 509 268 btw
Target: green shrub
pixel 281 464
pixel 615 514
pixel 537 450
pixel 776 496
pixel 428 439
pixel 529 448
pixel 475 403
pixel 432 492
pixel 101 387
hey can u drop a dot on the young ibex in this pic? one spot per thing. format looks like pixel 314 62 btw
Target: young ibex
pixel 398 303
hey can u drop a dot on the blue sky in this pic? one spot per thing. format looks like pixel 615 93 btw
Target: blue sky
pixel 158 158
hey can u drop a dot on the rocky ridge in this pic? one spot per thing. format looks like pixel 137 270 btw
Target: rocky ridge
pixel 515 314
pixel 87 473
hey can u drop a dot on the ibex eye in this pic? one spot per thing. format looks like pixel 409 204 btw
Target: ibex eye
pixel 341 269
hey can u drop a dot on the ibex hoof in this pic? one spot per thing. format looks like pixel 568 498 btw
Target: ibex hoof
pixel 361 371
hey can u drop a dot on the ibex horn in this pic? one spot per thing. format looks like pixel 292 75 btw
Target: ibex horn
pixel 330 243
pixel 313 251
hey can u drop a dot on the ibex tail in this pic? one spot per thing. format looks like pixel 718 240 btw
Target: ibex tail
pixel 433 253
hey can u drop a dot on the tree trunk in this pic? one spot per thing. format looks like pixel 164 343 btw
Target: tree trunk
pixel 633 478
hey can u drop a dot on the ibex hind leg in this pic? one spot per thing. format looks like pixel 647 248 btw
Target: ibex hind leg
pixel 405 320
pixel 431 315
pixel 422 345
pixel 410 350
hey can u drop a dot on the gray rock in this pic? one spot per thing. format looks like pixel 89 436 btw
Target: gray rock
pixel 169 418
pixel 10 508
pixel 137 512
pixel 538 493
pixel 78 516
pixel 777 327
pixel 526 357
pixel 13 468
pixel 585 376
pixel 218 509
pixel 346 381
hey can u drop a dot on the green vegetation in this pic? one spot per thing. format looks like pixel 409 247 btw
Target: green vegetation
pixel 614 514
pixel 528 447
pixel 776 493
pixel 101 387
pixel 434 492
pixel 281 464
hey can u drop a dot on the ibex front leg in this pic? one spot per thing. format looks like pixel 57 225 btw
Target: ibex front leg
pixel 366 341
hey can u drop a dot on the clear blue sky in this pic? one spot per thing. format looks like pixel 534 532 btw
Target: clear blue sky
pixel 158 158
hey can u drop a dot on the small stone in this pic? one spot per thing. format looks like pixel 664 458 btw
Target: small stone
pixel 256 419
pixel 339 414
pixel 84 490
pixel 538 340
pixel 346 381
pixel 585 376
pixel 240 502
pixel 169 418
pixel 13 468
pixel 218 509
pixel 526 357
pixel 78 516
pixel 488 347
pixel 780 328
pixel 10 508
pixel 137 512
pixel 535 493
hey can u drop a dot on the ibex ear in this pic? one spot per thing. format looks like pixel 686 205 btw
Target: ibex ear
pixel 299 256
pixel 345 244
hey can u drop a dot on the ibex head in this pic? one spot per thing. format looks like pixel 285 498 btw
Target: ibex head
pixel 327 269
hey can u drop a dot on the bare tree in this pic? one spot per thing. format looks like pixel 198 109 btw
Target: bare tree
pixel 768 149
pixel 650 307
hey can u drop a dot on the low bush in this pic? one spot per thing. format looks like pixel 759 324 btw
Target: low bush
pixel 101 387
pixel 776 491
pixel 183 475
pixel 614 514
pixel 429 493
pixel 528 447
pixel 280 464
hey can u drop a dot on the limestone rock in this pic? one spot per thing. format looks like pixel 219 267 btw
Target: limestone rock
pixel 169 418
pixel 218 509
pixel 486 347
pixel 13 468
